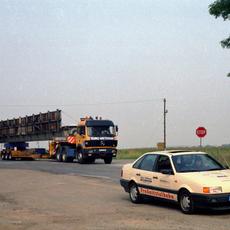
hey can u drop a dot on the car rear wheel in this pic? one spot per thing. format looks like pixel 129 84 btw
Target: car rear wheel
pixel 134 194
pixel 186 202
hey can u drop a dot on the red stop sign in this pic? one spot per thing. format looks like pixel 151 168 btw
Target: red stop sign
pixel 201 132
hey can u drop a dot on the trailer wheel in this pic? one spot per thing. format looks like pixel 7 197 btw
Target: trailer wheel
pixel 6 156
pixel 3 156
pixel 10 156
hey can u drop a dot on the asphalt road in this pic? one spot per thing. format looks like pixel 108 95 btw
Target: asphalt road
pixel 53 195
pixel 99 169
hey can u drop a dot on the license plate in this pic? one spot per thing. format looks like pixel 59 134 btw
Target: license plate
pixel 102 150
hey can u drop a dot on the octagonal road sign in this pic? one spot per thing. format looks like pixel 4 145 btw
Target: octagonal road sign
pixel 201 132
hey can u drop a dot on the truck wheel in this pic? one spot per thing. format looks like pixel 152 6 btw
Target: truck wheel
pixel 80 158
pixel 134 194
pixel 186 202
pixel 59 157
pixel 108 160
pixel 64 157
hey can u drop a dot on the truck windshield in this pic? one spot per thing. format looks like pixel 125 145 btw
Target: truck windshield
pixel 101 131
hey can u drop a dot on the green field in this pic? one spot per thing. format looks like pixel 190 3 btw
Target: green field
pixel 222 154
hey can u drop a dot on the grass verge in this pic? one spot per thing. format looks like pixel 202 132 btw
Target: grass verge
pixel 222 154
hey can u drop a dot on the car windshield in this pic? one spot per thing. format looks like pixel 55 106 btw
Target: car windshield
pixel 101 131
pixel 195 163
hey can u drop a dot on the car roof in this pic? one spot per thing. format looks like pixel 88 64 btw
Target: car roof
pixel 175 152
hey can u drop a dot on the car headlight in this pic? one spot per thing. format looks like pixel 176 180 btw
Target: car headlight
pixel 215 189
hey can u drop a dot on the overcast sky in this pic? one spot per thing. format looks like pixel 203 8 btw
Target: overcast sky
pixel 92 57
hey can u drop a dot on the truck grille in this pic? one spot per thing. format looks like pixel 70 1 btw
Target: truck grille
pixel 101 143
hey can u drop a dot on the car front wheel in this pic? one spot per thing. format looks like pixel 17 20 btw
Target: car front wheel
pixel 134 194
pixel 186 202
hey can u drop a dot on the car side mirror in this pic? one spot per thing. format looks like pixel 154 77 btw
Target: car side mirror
pixel 167 171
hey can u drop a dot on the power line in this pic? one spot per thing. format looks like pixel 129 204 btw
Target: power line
pixel 83 104
pixel 69 116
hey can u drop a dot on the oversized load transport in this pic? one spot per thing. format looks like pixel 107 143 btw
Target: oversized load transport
pixel 89 140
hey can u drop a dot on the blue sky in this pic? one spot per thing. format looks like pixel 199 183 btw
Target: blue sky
pixel 54 54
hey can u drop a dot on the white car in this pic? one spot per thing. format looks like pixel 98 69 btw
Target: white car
pixel 191 179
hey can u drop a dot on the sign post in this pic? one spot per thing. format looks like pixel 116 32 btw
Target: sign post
pixel 201 132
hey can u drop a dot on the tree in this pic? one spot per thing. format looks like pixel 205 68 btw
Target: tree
pixel 221 8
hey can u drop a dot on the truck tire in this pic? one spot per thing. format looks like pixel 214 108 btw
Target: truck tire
pixel 58 156
pixel 80 157
pixel 64 157
pixel 108 160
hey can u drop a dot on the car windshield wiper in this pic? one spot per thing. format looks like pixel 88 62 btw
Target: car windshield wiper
pixel 215 169
pixel 193 170
pixel 189 171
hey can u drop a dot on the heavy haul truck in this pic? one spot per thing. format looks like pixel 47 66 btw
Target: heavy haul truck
pixel 89 140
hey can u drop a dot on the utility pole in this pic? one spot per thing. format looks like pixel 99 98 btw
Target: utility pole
pixel 165 111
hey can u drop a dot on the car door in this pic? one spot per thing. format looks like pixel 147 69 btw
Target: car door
pixel 166 178
pixel 144 173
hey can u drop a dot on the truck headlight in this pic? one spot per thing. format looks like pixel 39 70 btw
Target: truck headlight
pixel 86 143
pixel 215 189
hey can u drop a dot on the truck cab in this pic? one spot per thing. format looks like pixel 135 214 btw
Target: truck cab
pixel 96 138
pixel 91 139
